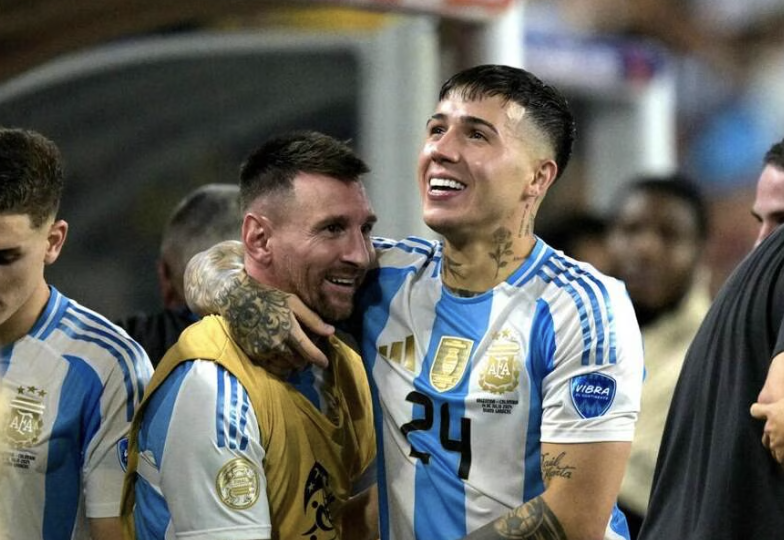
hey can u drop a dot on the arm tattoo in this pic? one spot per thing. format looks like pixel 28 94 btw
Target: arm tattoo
pixel 532 521
pixel 553 467
pixel 502 239
pixel 259 317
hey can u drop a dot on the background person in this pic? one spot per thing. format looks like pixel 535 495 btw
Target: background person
pixel 507 375
pixel 71 378
pixel 271 458
pixel 657 239
pixel 204 217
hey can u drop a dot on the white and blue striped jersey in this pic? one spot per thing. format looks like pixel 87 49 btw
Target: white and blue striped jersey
pixel 71 386
pixel 466 389
pixel 198 420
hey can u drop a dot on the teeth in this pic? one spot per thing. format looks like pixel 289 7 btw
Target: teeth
pixel 446 183
pixel 341 281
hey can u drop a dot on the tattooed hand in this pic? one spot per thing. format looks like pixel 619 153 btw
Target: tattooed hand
pixel 534 520
pixel 263 321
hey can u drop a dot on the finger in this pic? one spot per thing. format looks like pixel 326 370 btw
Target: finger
pixel 309 318
pixel 759 411
pixel 308 351
pixel 766 440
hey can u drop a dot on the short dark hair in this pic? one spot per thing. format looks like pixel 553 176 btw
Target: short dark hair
pixel 205 216
pixel 775 155
pixel 273 166
pixel 676 185
pixel 31 175
pixel 544 105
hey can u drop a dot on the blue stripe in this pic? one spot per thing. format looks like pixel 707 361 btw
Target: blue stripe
pixel 233 420
pixel 439 500
pixel 111 332
pixel 219 405
pixel 373 302
pixel 244 421
pixel 158 412
pixel 618 523
pixel 73 334
pixel 581 311
pixel 151 514
pixel 53 312
pixel 596 311
pixel 608 309
pixel 5 358
pixel 75 424
pixel 539 363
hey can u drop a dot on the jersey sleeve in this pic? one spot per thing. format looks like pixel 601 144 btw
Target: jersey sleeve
pixel 210 465
pixel 106 422
pixel 593 389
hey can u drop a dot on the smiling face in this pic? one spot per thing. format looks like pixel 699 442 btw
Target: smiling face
pixel 318 242
pixel 24 252
pixel 479 166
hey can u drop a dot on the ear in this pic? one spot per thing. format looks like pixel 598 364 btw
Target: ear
pixel 543 179
pixel 55 240
pixel 256 235
pixel 171 298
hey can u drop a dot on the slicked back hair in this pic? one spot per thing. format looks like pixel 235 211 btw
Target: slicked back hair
pixel 31 175
pixel 545 107
pixel 271 168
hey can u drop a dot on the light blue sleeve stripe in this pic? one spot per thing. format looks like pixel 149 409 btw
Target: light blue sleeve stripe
pixel 219 421
pixel 158 412
pixel 610 331
pixel 78 336
pixel 580 306
pixel 577 276
pixel 233 420
pixel 243 421
pixel 106 329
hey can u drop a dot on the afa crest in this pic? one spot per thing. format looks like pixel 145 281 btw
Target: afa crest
pixel 24 423
pixel 501 370
pixel 450 362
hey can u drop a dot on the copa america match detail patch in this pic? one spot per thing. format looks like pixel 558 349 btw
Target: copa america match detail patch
pixel 238 484
pixel 592 394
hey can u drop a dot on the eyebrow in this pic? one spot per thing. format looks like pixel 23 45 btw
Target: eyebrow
pixel 468 120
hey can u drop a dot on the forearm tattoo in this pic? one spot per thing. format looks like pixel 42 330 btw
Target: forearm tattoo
pixel 532 521
pixel 259 317
pixel 554 467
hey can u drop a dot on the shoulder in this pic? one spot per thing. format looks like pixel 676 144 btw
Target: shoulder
pixel 409 251
pixel 80 332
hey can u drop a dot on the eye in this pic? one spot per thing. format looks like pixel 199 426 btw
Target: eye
pixel 478 135
pixel 367 229
pixel 435 129
pixel 334 228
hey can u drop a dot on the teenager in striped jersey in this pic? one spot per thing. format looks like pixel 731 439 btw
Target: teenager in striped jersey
pixel 71 379
pixel 506 376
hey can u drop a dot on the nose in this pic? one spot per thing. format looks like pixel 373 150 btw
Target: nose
pixel 358 250
pixel 647 244
pixel 443 148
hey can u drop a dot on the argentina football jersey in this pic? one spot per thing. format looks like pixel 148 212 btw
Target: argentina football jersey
pixel 71 386
pixel 467 388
